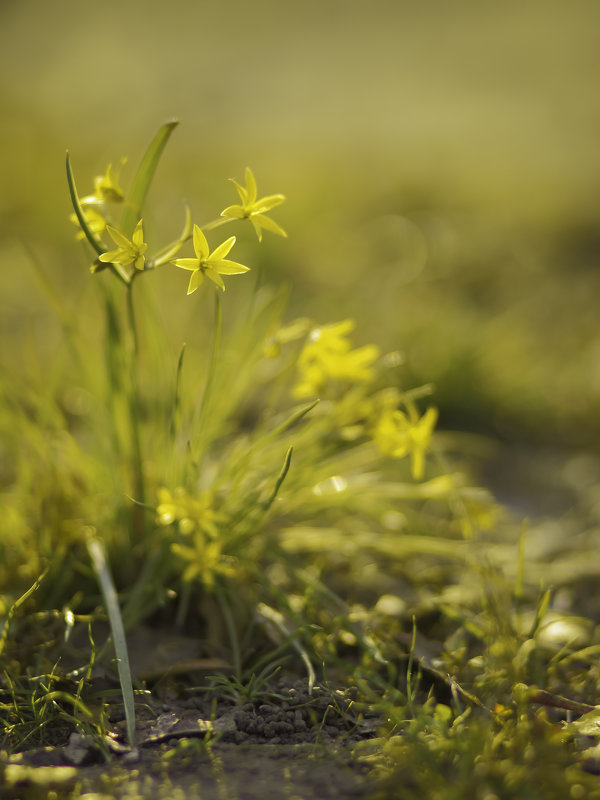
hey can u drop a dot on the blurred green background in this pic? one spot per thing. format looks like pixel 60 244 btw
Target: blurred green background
pixel 440 160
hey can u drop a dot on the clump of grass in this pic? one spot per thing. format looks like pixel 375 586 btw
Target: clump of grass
pixel 277 492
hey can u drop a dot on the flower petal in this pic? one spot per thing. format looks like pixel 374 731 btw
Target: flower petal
pixel 268 202
pixel 222 250
pixel 138 235
pixel 240 190
pixel 200 244
pixel 195 280
pixel 237 212
pixel 110 256
pixel 215 278
pixel 256 225
pixel 187 263
pixel 268 224
pixel 231 267
pixel 118 238
pixel 250 187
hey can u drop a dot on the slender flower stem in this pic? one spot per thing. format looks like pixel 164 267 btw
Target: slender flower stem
pixel 137 463
pixel 210 377
pixel 216 223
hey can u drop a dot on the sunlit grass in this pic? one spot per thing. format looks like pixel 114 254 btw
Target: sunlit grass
pixel 274 487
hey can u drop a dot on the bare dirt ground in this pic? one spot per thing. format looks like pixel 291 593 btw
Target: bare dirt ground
pixel 293 746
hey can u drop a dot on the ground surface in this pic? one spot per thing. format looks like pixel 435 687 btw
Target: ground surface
pixel 296 745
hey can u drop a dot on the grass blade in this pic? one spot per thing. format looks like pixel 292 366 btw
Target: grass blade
pixel 176 415
pixel 79 212
pixel 15 607
pixel 143 177
pixel 111 602
pixel 280 479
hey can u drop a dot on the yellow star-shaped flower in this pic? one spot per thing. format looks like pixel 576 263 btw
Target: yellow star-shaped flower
pixel 397 435
pixel 129 251
pixel 106 187
pixel 95 221
pixel 207 264
pixel 328 355
pixel 254 209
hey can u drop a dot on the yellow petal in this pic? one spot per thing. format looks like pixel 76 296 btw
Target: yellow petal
pixel 195 281
pixel 118 238
pixel 267 203
pixel 200 244
pixel 138 235
pixel 187 263
pixel 240 190
pixel 108 257
pixel 221 251
pixel 250 187
pixel 236 212
pixel 215 278
pixel 268 224
pixel 231 267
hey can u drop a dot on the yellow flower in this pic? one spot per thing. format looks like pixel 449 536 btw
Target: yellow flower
pixel 203 559
pixel 254 209
pixel 129 251
pixel 106 187
pixel 190 513
pixel 328 355
pixel 200 544
pixel 207 264
pixel 398 435
pixel 95 221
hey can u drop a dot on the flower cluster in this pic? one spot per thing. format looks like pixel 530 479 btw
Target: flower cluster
pixel 328 356
pixel 199 546
pixel 398 434
pixel 129 257
pixel 330 367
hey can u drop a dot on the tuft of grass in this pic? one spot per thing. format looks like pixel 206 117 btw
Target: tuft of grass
pixel 279 495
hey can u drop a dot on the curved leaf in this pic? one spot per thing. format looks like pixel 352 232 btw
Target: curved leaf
pixel 79 212
pixel 143 177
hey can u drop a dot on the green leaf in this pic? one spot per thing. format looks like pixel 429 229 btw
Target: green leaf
pixel 284 426
pixel 79 212
pixel 282 475
pixel 111 603
pixel 143 177
pixel 15 606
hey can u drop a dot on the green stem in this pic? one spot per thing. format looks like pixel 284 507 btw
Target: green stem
pixel 134 421
pixel 233 637
pixel 216 223
pixel 210 378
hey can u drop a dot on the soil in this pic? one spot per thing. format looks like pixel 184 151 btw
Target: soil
pixel 291 745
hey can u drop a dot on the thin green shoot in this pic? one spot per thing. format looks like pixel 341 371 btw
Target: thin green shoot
pixel 210 378
pixel 111 602
pixel 176 414
pixel 233 637
pixel 143 177
pixel 134 414
pixel 15 607
pixel 519 593
pixel 276 618
pixel 81 218
pixel 412 681
pixel 266 505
